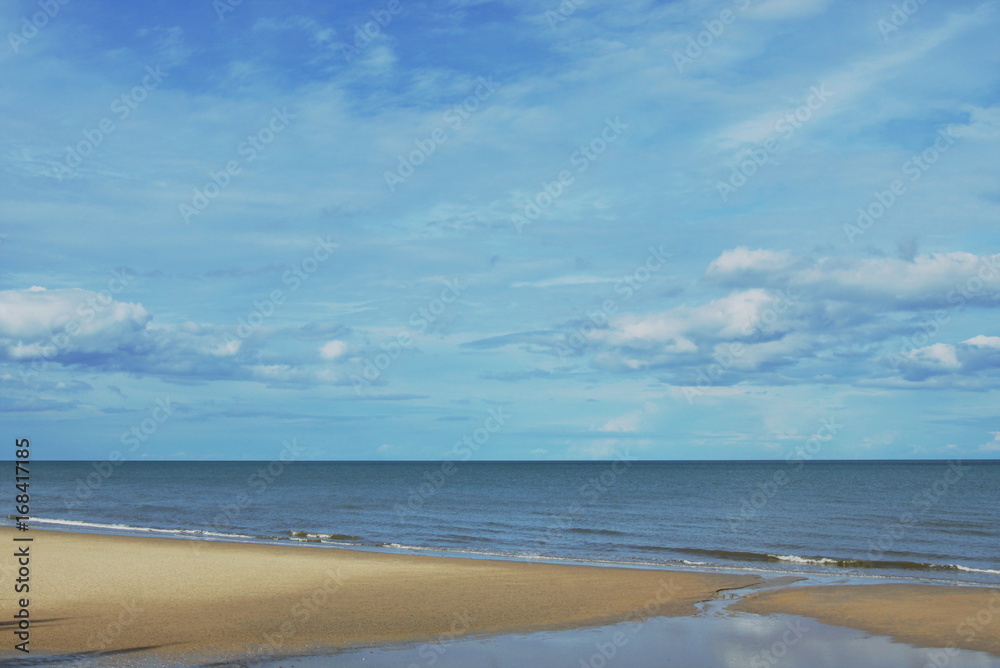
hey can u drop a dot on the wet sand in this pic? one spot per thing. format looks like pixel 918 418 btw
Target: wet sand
pixel 923 615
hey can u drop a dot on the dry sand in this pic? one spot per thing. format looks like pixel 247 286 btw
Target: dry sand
pixel 923 615
pixel 98 593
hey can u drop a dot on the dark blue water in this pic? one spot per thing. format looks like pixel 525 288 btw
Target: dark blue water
pixel 872 519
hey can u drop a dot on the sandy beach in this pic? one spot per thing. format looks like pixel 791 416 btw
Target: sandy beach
pixel 922 615
pixel 100 593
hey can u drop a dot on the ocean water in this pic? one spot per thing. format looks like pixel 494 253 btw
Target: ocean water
pixel 919 520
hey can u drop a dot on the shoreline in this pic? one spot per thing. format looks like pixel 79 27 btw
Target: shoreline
pixel 789 565
pixel 174 597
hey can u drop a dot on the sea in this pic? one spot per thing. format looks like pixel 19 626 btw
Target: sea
pixel 899 520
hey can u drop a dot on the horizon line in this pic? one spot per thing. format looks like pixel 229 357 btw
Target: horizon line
pixel 515 461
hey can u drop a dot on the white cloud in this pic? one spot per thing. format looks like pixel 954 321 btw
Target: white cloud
pixel 227 349
pixel 969 358
pixel 21 351
pixel 742 259
pixel 79 327
pixel 937 355
pixel 735 316
pixel 332 349
pixel 37 321
pixel 753 356
pixel 984 341
pixel 623 423
pixel 984 123
pixel 833 318
pixel 935 279
pixel 891 277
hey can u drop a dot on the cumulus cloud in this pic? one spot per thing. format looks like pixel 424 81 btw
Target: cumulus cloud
pixel 735 316
pixel 970 357
pixel 776 318
pixel 690 335
pixel 927 281
pixel 788 318
pixel 36 322
pixel 935 358
pixel 934 280
pixel 984 341
pixel 75 327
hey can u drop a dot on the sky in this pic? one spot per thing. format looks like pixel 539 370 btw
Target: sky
pixel 746 229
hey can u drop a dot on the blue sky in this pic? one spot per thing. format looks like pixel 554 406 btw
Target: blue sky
pixel 683 230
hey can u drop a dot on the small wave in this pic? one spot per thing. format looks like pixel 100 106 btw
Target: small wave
pixel 867 564
pixel 133 529
pixel 294 536
pixel 875 563
pixel 731 555
pixel 308 535
pixel 821 561
pixel 970 569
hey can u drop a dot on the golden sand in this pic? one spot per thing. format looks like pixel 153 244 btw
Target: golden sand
pixel 923 615
pixel 98 593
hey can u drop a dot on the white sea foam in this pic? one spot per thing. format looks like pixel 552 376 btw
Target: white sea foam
pixel 819 561
pixel 123 528
pixel 970 569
